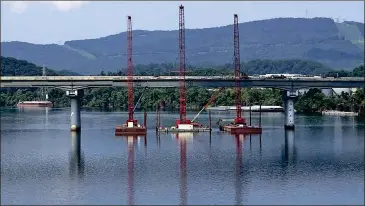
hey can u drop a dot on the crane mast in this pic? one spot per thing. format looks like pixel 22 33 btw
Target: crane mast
pixel 237 73
pixel 131 128
pixel 130 71
pixel 182 86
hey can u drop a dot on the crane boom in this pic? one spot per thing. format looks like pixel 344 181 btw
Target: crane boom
pixel 182 86
pixel 209 102
pixel 139 100
pixel 237 73
pixel 130 70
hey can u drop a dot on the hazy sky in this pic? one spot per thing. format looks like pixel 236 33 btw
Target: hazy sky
pixel 58 21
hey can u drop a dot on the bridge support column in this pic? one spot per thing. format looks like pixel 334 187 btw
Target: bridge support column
pixel 289 97
pixel 75 98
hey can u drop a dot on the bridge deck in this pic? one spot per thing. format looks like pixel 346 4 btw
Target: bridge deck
pixel 172 81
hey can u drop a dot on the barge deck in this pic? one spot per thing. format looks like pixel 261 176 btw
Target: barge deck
pixel 234 129
pixel 123 130
pixel 176 130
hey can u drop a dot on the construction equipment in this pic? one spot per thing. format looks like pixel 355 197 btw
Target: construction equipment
pixel 131 127
pixel 209 102
pixel 239 125
pixel 183 124
pixel 182 86
pixel 130 72
pixel 237 73
pixel 139 100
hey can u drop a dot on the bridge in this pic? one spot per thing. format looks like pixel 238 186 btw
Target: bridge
pixel 82 82
pixel 74 85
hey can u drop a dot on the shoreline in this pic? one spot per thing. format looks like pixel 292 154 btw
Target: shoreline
pixel 264 109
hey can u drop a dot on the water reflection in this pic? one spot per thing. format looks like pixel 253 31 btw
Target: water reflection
pixel 46 120
pixel 76 157
pixel 238 169
pixel 133 141
pixel 130 187
pixel 289 150
pixel 260 143
pixel 182 137
pixel 158 139
pixel 210 140
pixel 30 167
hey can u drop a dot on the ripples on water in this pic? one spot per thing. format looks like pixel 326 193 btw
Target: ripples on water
pixel 42 162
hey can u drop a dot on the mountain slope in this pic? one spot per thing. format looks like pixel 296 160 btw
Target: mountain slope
pixel 337 45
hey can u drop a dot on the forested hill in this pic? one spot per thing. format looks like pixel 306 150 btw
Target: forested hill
pixel 14 67
pixel 337 45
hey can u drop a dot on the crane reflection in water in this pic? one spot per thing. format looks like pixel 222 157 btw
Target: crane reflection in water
pixel 239 180
pixel 183 138
pixel 238 170
pixel 77 163
pixel 133 141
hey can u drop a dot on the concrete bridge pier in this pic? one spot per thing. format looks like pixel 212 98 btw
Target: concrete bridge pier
pixel 75 98
pixel 289 97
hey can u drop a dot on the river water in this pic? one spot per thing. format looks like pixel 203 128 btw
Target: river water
pixel 42 162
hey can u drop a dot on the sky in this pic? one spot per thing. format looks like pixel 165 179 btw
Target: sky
pixel 46 22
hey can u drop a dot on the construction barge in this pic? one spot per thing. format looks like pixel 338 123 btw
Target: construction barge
pixel 124 130
pixel 241 129
pixel 132 128
pixel 176 130
pixel 239 125
pixel 189 127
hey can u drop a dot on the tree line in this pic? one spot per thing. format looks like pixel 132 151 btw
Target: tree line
pixel 311 102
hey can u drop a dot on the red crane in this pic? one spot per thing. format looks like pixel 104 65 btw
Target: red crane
pixel 130 72
pixel 182 87
pixel 131 127
pixel 237 73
